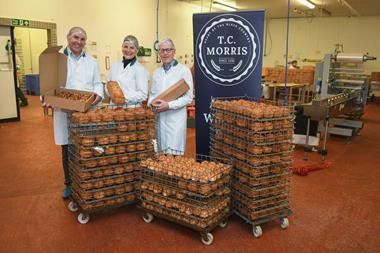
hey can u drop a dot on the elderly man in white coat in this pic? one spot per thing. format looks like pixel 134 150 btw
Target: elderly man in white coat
pixel 82 74
pixel 130 74
pixel 172 116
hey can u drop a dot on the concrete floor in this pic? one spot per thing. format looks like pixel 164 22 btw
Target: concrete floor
pixel 335 210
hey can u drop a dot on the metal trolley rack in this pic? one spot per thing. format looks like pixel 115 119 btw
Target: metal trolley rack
pixel 258 136
pixel 183 190
pixel 104 157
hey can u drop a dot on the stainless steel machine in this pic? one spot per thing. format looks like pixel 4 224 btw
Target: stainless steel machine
pixel 341 90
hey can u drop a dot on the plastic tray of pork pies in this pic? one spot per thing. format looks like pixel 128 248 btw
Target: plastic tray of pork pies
pixel 189 220
pixel 191 197
pixel 261 203
pixel 265 137
pixel 106 202
pixel 254 159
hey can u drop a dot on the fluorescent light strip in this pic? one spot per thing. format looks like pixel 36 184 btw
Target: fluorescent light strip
pixel 355 12
pixel 307 3
pixel 223 6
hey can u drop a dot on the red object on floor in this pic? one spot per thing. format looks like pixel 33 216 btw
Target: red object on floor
pixel 304 170
pixel 191 111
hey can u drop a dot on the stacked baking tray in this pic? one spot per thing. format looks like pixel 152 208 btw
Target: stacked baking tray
pixel 191 191
pixel 258 136
pixel 104 152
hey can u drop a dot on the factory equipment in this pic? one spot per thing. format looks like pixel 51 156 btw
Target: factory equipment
pixel 341 89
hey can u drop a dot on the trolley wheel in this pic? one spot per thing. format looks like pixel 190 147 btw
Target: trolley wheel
pixel 83 218
pixel 207 239
pixel 257 231
pixel 73 207
pixel 284 223
pixel 223 224
pixel 148 218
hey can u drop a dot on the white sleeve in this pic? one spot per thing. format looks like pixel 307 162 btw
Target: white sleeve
pixel 97 82
pixel 187 98
pixel 141 92
pixel 153 92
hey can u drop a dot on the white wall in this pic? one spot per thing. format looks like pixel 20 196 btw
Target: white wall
pixel 312 38
pixel 108 22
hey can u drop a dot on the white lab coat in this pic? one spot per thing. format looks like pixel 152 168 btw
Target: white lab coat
pixel 172 124
pixel 133 81
pixel 81 75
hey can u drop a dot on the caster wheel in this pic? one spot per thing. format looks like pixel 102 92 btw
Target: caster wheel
pixel 207 239
pixel 223 224
pixel 83 218
pixel 284 223
pixel 73 207
pixel 148 218
pixel 257 231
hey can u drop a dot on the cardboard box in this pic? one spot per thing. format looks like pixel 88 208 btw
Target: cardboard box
pixel 68 104
pixel 53 69
pixel 173 92
pixel 53 73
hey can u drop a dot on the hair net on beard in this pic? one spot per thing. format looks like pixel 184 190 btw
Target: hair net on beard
pixel 77 30
pixel 131 39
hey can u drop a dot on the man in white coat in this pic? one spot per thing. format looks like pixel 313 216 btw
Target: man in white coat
pixel 171 116
pixel 130 74
pixel 82 74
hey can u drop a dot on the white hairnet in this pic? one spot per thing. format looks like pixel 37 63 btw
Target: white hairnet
pixel 166 40
pixel 77 30
pixel 131 39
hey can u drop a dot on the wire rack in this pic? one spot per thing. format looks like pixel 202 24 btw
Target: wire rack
pixel 258 136
pixel 196 223
pixel 106 146
pixel 193 191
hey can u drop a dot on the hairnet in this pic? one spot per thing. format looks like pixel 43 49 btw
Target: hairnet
pixel 131 39
pixel 77 30
pixel 166 40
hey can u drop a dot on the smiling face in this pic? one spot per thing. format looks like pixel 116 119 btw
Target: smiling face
pixel 76 43
pixel 166 52
pixel 129 50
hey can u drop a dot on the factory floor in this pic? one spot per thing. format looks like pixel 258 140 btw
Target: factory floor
pixel 335 209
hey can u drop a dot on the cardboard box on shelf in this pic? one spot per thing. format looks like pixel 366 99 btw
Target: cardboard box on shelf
pixel 53 73
pixel 375 76
pixel 173 92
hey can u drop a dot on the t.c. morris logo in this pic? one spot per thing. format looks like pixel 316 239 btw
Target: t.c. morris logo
pixel 228 49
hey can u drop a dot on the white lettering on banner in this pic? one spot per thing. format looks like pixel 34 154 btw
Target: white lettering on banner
pixel 230 41
pixel 207 117
pixel 227 50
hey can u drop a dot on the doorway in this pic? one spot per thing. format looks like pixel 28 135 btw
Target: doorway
pixel 29 43
pixel 27 39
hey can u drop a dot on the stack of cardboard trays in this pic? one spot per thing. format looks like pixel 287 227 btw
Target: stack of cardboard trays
pixel 299 76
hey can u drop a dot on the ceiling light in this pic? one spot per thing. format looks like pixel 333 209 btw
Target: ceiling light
pixel 223 6
pixel 307 3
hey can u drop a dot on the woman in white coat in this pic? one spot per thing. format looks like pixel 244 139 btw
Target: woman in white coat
pixel 130 74
pixel 172 116
pixel 82 74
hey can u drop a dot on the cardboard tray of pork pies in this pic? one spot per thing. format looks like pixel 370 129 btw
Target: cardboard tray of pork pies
pixel 53 73
pixel 173 92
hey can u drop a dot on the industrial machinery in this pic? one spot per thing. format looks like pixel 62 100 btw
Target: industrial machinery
pixel 341 90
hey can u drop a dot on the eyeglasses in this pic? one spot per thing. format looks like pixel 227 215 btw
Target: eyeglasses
pixel 165 50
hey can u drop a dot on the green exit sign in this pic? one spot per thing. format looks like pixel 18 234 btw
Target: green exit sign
pixel 144 51
pixel 20 22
